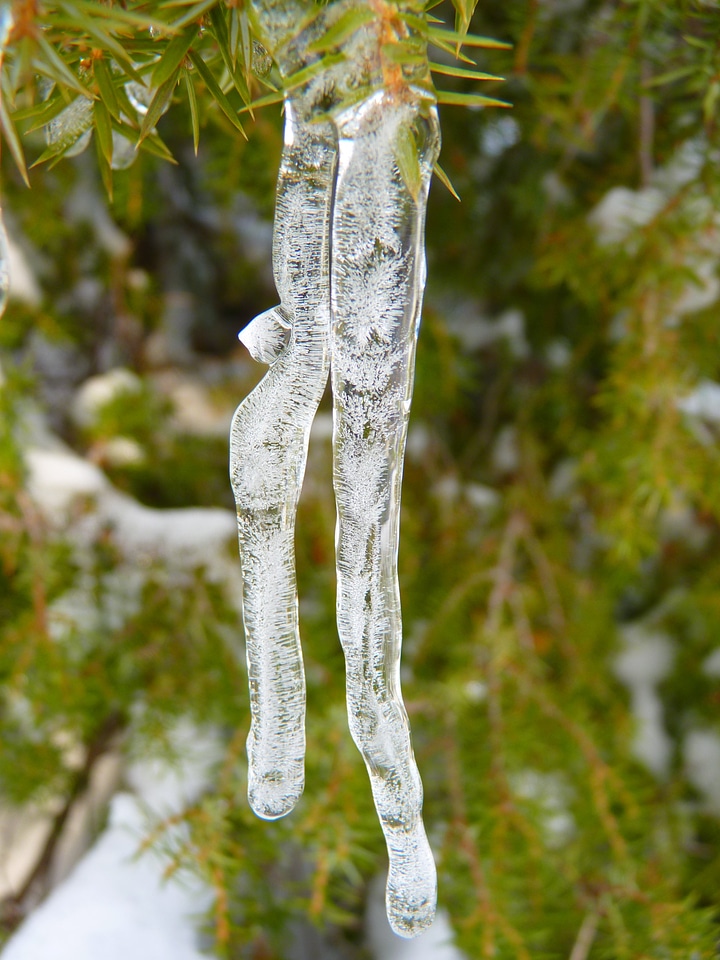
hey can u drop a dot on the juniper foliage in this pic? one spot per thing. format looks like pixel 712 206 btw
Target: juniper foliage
pixel 560 503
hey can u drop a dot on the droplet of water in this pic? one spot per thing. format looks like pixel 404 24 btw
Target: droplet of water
pixel 261 60
pixel 139 96
pixel 124 152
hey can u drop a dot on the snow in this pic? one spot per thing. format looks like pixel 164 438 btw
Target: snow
pixel 23 285
pixel 449 489
pixel 476 331
pixel 711 665
pixel 702 402
pixel 183 538
pixel 701 752
pixel 622 209
pixel 646 660
pixel 57 478
pixel 122 452
pixel 505 455
pixel 194 411
pixel 116 905
pixel 96 392
pixel 499 135
pixel 550 794
pixel 113 906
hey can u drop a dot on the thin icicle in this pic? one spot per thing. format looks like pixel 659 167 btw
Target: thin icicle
pixel 268 452
pixel 377 282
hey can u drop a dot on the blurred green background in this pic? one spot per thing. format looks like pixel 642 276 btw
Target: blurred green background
pixel 559 560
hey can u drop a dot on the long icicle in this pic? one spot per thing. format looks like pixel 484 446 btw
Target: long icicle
pixel 268 453
pixel 377 283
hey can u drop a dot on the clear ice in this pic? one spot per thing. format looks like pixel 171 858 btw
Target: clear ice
pixel 349 266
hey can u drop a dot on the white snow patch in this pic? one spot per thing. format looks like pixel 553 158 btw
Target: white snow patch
pixel 449 489
pixel 435 944
pixel 499 135
pixel 558 354
pixel 622 209
pixel 116 905
pixel 475 331
pixel 322 427
pixel 113 906
pixel 702 402
pixel 167 788
pixel 505 456
pixel 678 523
pixel 23 285
pixel 701 751
pixel 551 793
pixel 56 478
pixel 646 660
pixel 184 537
pixel 711 664
pixel 194 410
pixel 419 441
pixel 476 691
pixel 97 392
pixel 122 452
pixel 563 480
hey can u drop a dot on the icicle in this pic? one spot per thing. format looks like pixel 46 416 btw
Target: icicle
pixel 349 219
pixel 377 282
pixel 268 451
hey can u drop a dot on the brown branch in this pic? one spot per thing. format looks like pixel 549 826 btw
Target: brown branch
pixel 647 128
pixel 14 908
pixel 586 936
pixel 522 51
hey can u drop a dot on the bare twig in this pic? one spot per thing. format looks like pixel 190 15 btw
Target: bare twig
pixel 586 936
pixel 647 128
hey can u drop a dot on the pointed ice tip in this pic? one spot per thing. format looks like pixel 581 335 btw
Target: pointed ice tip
pixel 266 336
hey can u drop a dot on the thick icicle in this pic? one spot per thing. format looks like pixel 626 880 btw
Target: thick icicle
pixel 268 452
pixel 377 282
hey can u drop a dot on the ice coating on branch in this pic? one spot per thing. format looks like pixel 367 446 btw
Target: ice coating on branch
pixel 70 129
pixel 349 267
pixel 377 282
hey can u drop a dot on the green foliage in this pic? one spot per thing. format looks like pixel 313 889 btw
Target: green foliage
pixel 520 573
pixel 63 53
